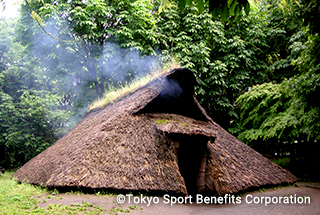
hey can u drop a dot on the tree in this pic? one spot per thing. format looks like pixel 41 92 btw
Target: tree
pixel 26 127
pixel 218 8
pixel 96 24
pixel 31 117
pixel 229 57
pixel 288 111
pixel 284 117
pixel 95 59
pixel 222 8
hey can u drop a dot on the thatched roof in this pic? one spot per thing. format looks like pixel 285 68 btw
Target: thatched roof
pixel 130 145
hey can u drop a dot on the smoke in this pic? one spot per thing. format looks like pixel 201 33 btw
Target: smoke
pixel 125 64
pixel 82 71
pixel 172 89
pixel 180 82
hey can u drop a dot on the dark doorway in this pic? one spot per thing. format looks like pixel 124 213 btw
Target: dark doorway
pixel 191 153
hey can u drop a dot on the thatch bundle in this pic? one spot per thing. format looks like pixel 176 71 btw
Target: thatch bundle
pixel 157 138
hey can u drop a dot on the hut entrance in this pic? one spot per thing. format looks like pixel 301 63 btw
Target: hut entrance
pixel 191 154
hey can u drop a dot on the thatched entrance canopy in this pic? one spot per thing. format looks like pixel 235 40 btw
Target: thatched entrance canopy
pixel 157 138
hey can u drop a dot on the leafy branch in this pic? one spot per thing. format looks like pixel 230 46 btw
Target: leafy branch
pixel 42 25
pixel 218 8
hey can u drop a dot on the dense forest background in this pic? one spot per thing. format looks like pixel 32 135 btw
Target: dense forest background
pixel 258 74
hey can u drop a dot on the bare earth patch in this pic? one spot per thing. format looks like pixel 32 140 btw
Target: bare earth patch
pixel 109 203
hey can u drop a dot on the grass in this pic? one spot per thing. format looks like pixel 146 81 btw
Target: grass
pixel 163 121
pixel 115 93
pixel 104 193
pixel 16 198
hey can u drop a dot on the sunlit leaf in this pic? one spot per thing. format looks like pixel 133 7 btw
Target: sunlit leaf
pixel 36 16
pixel 232 7
pixel 164 4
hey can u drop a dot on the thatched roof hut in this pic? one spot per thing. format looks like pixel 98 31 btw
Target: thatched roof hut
pixel 157 138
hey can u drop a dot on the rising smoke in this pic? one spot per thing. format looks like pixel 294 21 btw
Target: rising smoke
pixel 82 71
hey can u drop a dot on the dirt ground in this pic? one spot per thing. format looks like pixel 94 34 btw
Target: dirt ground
pixel 304 190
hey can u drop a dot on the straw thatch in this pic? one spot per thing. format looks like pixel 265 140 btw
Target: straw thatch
pixel 157 138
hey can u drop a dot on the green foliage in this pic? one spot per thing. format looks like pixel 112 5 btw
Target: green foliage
pixel 101 63
pixel 288 111
pixel 309 53
pixel 282 117
pixel 309 11
pixel 193 39
pixel 46 85
pixel 138 28
pixel 27 126
pixel 221 9
pixel 226 58
pixel 31 117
